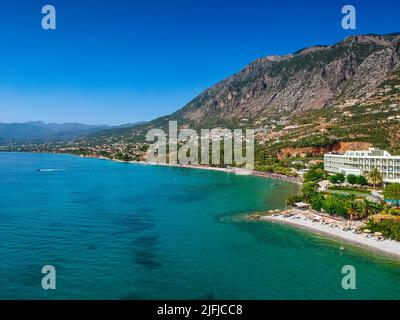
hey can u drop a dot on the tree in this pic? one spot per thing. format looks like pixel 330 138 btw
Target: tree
pixel 369 208
pixel 352 205
pixel 329 205
pixel 309 190
pixel 389 228
pixel 375 177
pixel 334 179
pixel 293 199
pixel 351 197
pixel 352 209
pixel 361 180
pixel 387 210
pixel 352 179
pixel 335 205
pixel 392 192
pixel 337 178
pixel 341 177
pixel 317 201
pixel 315 174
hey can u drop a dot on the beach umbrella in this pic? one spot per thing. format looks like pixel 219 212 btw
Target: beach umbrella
pixel 378 234
pixel 366 231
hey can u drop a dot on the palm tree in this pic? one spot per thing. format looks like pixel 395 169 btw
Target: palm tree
pixel 351 205
pixel 375 177
pixel 351 197
pixel 352 208
pixel 369 208
pixel 386 209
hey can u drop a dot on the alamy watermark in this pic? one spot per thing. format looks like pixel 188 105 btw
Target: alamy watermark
pixel 49 280
pixel 187 147
pixel 349 20
pixel 349 280
pixel 49 20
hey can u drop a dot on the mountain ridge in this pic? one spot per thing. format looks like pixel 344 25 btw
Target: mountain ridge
pixel 273 87
pixel 313 99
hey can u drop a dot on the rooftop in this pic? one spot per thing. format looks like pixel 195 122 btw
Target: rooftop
pixel 371 152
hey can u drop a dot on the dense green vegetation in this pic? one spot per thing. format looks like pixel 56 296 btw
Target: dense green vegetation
pixel 351 179
pixel 392 192
pixel 358 180
pixel 389 228
pixel 347 206
pixel 375 177
pixel 316 173
pixel 123 157
pixel 266 162
pixel 337 178
pixel 353 206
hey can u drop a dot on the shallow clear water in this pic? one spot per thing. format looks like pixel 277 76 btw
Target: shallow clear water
pixel 124 231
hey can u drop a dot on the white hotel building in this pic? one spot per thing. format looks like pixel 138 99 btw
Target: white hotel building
pixel 362 162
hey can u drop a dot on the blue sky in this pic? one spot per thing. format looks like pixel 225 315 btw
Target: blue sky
pixel 121 61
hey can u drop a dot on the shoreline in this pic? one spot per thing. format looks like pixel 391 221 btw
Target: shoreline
pixel 389 248
pixel 261 174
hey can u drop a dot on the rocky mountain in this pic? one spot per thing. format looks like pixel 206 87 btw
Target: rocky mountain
pixel 310 79
pixel 281 87
pixel 306 103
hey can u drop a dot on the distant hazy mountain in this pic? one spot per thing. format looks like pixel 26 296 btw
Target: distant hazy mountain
pixel 40 132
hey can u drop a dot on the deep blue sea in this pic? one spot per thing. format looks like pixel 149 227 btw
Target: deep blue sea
pixel 127 231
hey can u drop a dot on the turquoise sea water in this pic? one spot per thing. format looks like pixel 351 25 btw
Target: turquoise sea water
pixel 124 231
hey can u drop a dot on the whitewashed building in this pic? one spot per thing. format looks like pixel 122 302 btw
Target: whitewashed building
pixel 362 162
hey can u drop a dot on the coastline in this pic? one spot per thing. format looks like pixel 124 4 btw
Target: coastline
pixel 386 247
pixel 260 174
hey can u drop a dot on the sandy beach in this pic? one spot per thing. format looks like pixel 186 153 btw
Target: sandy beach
pixel 387 247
